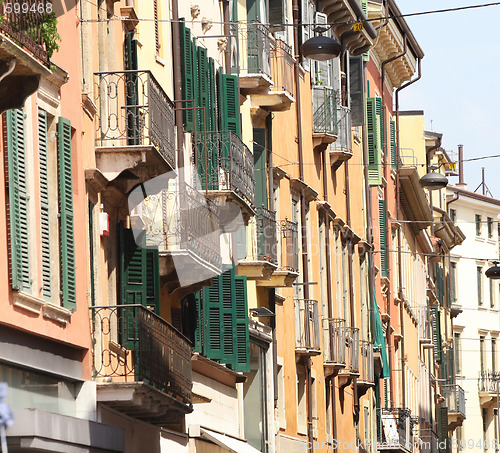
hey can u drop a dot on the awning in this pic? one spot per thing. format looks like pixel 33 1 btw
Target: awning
pixel 228 443
pixel 380 337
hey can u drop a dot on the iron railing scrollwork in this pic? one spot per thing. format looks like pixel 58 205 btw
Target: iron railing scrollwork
pixel 282 62
pixel 324 110
pixel 224 162
pixel 455 398
pixel 488 381
pixel 130 342
pixel 344 131
pixel 307 325
pixel 290 234
pixel 367 365
pixel 335 350
pixel 395 428
pixel 23 21
pixel 255 38
pixel 352 345
pixel 134 110
pixel 267 243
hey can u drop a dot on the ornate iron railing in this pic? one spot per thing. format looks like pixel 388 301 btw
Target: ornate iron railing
pixel 177 219
pixel 282 62
pixel 255 40
pixel 267 243
pixel 394 429
pixel 488 381
pixel 131 343
pixel 367 364
pixel 224 163
pixel 290 232
pixel 23 20
pixel 307 325
pixel 324 110
pixel 344 131
pixel 352 345
pixel 134 110
pixel 455 398
pixel 335 350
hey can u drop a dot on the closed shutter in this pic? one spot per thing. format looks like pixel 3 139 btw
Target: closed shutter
pixel 228 317
pixel 436 334
pixel 199 333
pixel 374 152
pixel 277 15
pixel 259 154
pixel 212 318
pixel 133 269
pixel 364 5
pixel 380 120
pixel 229 103
pixel 307 16
pixel 394 156
pixel 187 70
pixel 132 90
pixel 383 237
pixel 44 204
pixel 320 70
pixel 153 280
pixel 202 91
pixel 212 97
pixel 356 88
pixel 18 200
pixel 242 359
pixel 66 234
pixel 442 420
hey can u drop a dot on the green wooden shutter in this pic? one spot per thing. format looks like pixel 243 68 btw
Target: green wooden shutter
pixel 364 5
pixel 212 318
pixel 242 359
pixel 379 108
pixel 18 201
pixel 212 96
pixel 394 162
pixel 201 87
pixel 200 325
pixel 132 90
pixel 66 234
pixel 229 103
pixel 187 70
pixel 442 419
pixel 153 280
pixel 228 315
pixel 374 152
pixel 260 160
pixel 44 204
pixel 436 334
pixel 383 236
pixel 132 269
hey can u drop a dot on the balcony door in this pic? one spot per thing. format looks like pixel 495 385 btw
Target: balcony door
pixel 131 88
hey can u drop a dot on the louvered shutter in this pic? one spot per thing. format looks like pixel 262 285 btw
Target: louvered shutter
pixel 259 154
pixel 212 96
pixel 228 315
pixel 199 334
pixel 212 318
pixel 356 89
pixel 153 280
pixel 364 5
pixel 277 15
pixel 242 359
pixel 230 104
pixel 320 70
pixel 380 120
pixel 18 200
pixel 436 334
pixel 383 237
pixel 307 19
pixel 132 90
pixel 394 156
pixel 202 91
pixel 442 420
pixel 187 70
pixel 373 132
pixel 66 235
pixel 44 204
pixel 133 269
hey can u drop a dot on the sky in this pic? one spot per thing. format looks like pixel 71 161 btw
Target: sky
pixel 459 91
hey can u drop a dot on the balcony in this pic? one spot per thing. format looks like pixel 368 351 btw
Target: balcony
pixel 455 401
pixel 351 369
pixel 184 226
pixel 141 363
pixel 324 117
pixel 280 97
pixel 341 150
pixel 23 51
pixel 225 168
pixel 307 340
pixel 255 61
pixel 264 259
pixel 367 373
pixel 136 127
pixel 394 430
pixel 335 345
pixel 488 387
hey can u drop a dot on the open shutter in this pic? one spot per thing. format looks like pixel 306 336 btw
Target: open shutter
pixel 44 204
pixel 380 120
pixel 132 90
pixel 356 88
pixel 18 201
pixel 307 11
pixel 133 269
pixel 383 237
pixel 394 162
pixel 230 104
pixel 212 96
pixel 320 70
pixel 153 280
pixel 436 334
pixel 259 154
pixel 374 157
pixel 442 419
pixel 228 317
pixel 242 362
pixel 277 15
pixel 212 318
pixel 202 88
pixel 199 334
pixel 187 70
pixel 364 5
pixel 67 237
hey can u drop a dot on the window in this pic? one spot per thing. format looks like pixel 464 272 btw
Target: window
pixel 495 421
pixel 383 237
pixel 493 354
pixel 301 400
pixel 453 283
pixel 481 354
pixel 491 284
pixel 456 351
pixel 479 273
pixel 490 227
pixel 484 414
pixel 478 225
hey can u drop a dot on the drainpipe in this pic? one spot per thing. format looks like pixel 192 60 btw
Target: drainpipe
pixel 399 216
pixel 176 45
pixel 305 273
pixel 388 228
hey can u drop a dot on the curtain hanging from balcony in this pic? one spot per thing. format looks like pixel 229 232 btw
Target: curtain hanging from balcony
pixel 380 337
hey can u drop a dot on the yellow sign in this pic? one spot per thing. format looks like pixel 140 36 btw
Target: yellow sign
pixel 358 26
pixel 452 166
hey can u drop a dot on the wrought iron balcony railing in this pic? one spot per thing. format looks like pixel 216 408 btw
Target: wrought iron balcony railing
pixel 23 21
pixel 367 364
pixel 307 337
pixel 131 342
pixel 282 62
pixel 134 110
pixel 182 219
pixel 455 398
pixel 394 429
pixel 267 243
pixel 335 349
pixel 324 110
pixel 352 345
pixel 255 40
pixel 290 232
pixel 225 164
pixel 488 381
pixel 344 131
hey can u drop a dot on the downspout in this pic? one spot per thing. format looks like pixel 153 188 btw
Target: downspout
pixel 388 228
pixel 399 216
pixel 305 273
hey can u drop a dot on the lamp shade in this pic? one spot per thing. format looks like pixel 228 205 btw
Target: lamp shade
pixel 434 181
pixel 321 48
pixel 493 272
